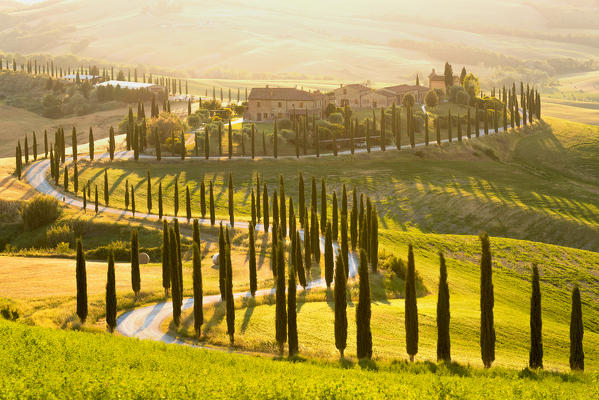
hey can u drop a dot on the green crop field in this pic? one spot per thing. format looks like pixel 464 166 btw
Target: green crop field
pixel 82 365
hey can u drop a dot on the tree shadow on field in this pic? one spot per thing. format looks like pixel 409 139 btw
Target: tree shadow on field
pixel 217 317
pixel 330 298
pixel 249 303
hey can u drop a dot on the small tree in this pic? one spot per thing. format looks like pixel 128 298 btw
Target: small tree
pixel 231 202
pixel 110 294
pixel 265 212
pixel 203 199
pixel 252 261
pixel 340 306
pixel 576 333
pixel 176 198
pixel 198 296
pixel 487 300
pixel 411 313
pixel 364 335
pixel 328 257
pixel 292 313
pixel 281 312
pixel 187 204
pixel 212 210
pixel 106 194
pixel 81 278
pixel 229 299
pixel 176 296
pixel 323 206
pixel 132 200
pixel 443 339
pixel 165 250
pixel 536 336
pixel 135 277
pixel 91 144
pixel 160 210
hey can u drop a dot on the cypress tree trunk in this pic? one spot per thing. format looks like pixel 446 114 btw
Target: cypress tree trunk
pixel 299 261
pixel 132 200
pixel 258 188
pixel 66 178
pixel 340 306
pixel 135 278
pixel 449 126
pixel 106 194
pixel 576 333
pixel 314 234
pixel 222 261
pixel 230 300
pixel 344 245
pixel 487 300
pixel 323 206
pixel 302 199
pixel 438 131
pixel 281 312
pixel 81 278
pixel 149 191
pixel 110 294
pixel 166 271
pixel 363 333
pixel 411 314
pixel 212 211
pixel 252 261
pixel 468 125
pixel 174 269
pixel 96 198
pixel 265 212
pixel 282 208
pixel 176 198
pixel 230 140
pixel 307 245
pixel 374 240
pixel 207 143
pixel 335 223
pixel 187 204
pixel 328 257
pixel 443 316
pixel 160 210
pixel 91 144
pixel 536 336
pixel 75 179
pixel 354 220
pixel 292 314
pixel 253 207
pixel 203 199
pixel 231 202
pixel 275 211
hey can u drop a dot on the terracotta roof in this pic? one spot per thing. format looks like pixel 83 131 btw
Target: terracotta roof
pixel 280 94
pixel 401 89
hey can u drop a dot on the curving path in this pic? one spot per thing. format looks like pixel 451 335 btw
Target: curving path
pixel 145 322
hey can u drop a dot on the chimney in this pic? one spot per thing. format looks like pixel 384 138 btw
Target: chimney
pixel 341 85
pixel 267 86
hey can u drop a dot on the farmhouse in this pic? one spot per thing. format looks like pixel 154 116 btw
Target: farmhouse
pixel 274 103
pixel 396 93
pixel 132 85
pixel 438 81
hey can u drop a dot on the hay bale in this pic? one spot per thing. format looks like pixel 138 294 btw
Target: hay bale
pixel 215 259
pixel 144 258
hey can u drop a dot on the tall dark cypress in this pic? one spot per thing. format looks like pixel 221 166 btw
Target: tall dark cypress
pixel 212 210
pixel 292 313
pixel 135 276
pixel 106 194
pixel 364 335
pixel 275 140
pixel 110 294
pixel 176 198
pixel 96 198
pixel 354 220
pixel 315 236
pixel 91 144
pixel 132 199
pixel 258 189
pixel 335 217
pixel 174 269
pixel 487 300
pixel 265 212
pixel 253 207
pixel 411 314
pixel 443 316
pixel 160 210
pixel 340 306
pixel 302 199
pixel 203 199
pixel 222 261
pixel 230 140
pixel 231 202
pixel 344 245
pixel 166 260
pixel 374 240
pixel 149 191
pixel 323 206
pixel 229 299
pixel 280 306
pixel 206 143
pixel 576 333
pixel 328 257
pixel 81 278
pixel 299 261
pixel 187 204
pixel 535 359
pixel 252 260
pixel 282 208
pixel 66 178
pixel 275 210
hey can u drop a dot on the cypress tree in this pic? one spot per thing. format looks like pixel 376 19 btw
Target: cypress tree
pixel 315 235
pixel 536 337
pixel 335 223
pixel 74 143
pixel 183 149
pixel 75 179
pixel 344 245
pixel 328 257
pixel 229 299
pixel 45 144
pixel 281 312
pixel 149 191
pixel 203 199
pixel 176 198
pixel 222 261
pixel 576 333
pixel 253 141
pixel 212 210
pixel 206 143
pixel 486 121
pixel 504 118
pixel 459 129
pixel 179 258
pixel 160 210
pixel 84 193
pixel 110 294
pixel 364 335
pixel 252 261
pixel 323 206
pixel 487 329
pixel 302 199
pixel 174 269
pixel 187 204
pixel 66 178
pixel 96 198
pixel 112 145
pixel 275 140
pixel 443 316
pixel 449 126
pixel 253 207
pixel 106 194
pixel 468 124
pixel 132 200
pixel 374 240
pixel 127 194
pixel 282 209
pixel 299 261
pixel 198 296
pixel 91 144
pixel 135 278
pixel 275 210
pixel 258 188
pixel 81 278
pixel 307 245
pixel 411 313
pixel 34 148
pixel 340 290
pixel 317 140
pixel 292 313
pixel 476 121
pixel 354 220
pixel 230 140
pixel 166 271
pixel 265 208
pixel 438 130
pixel 231 202
pixel 220 139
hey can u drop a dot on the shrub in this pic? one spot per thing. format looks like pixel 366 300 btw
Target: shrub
pixel 9 210
pixel 39 211
pixel 431 99
pixel 9 312
pixel 284 124
pixel 57 234
pixel 336 118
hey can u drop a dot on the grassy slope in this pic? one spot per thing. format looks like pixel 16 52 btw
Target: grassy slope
pixel 80 365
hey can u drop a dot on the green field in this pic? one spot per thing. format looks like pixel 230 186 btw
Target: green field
pixel 79 365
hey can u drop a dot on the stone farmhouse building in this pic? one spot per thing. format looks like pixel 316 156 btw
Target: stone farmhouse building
pixel 266 104
pixel 438 81
pixel 361 96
